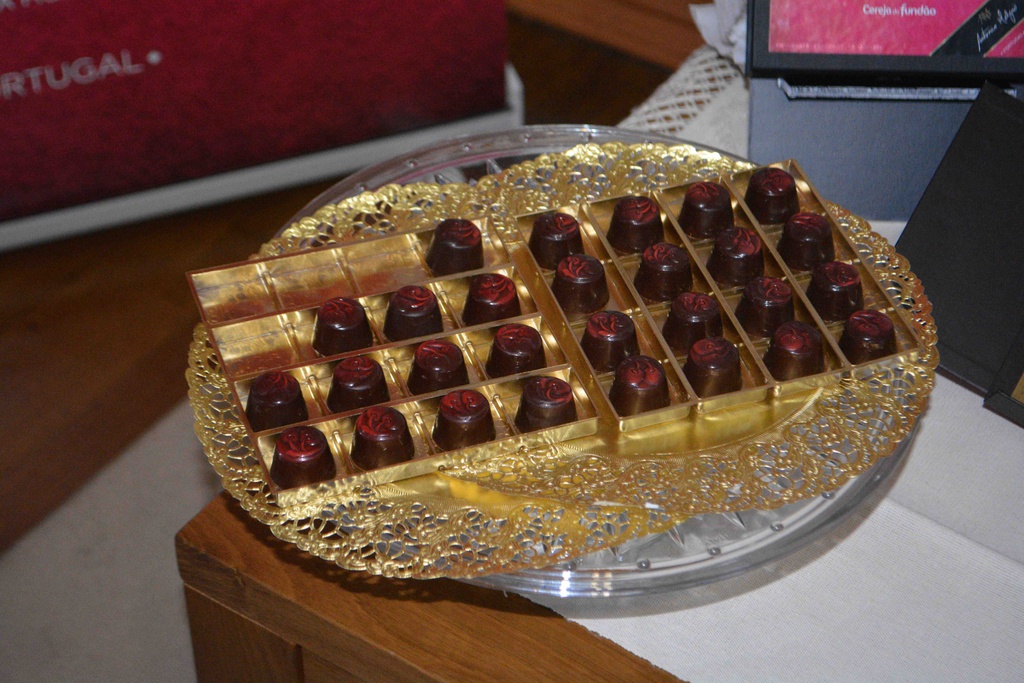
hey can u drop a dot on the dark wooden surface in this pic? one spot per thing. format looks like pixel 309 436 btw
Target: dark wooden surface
pixel 94 329
pixel 659 31
pixel 262 610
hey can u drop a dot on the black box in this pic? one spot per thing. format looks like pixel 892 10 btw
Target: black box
pixel 965 241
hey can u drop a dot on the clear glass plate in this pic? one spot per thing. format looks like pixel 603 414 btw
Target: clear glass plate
pixel 701 550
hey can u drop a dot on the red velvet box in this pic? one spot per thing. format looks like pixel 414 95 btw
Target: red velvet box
pixel 102 99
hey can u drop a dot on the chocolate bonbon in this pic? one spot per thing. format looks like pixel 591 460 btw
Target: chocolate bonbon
pixel 341 326
pixel 437 364
pixel 767 302
pixel 516 348
pixel 301 457
pixel 381 438
pixel 553 237
pixel 412 312
pixel 492 296
pixel 771 195
pixel 545 402
pixel 609 338
pixel 639 386
pixel 455 248
pixel 737 257
pixel 357 382
pixel 867 335
pixel 580 285
pixel 806 241
pixel 835 290
pixel 463 419
pixel 664 272
pixel 713 367
pixel 635 224
pixel 707 210
pixel 275 400
pixel 795 351
pixel 693 316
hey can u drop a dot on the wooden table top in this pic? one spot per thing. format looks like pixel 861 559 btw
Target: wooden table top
pixel 388 629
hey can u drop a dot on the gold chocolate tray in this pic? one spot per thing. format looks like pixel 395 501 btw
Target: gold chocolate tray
pixel 524 501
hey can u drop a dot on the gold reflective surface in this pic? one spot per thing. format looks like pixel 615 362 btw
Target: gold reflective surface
pixel 521 503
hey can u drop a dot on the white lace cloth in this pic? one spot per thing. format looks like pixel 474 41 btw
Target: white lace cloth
pixel 927 586
pixel 705 101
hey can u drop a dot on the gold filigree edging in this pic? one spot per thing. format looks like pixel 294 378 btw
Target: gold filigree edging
pixel 532 508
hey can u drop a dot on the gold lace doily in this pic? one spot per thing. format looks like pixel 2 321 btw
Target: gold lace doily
pixel 533 507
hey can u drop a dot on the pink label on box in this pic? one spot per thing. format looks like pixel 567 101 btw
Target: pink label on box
pixel 872 27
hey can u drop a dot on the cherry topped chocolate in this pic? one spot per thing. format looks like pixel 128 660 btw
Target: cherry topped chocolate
pixel 492 296
pixel 463 419
pixel 357 382
pixel 737 257
pixel 457 246
pixel 341 326
pixel 275 400
pixel 713 367
pixel 545 402
pixel 412 312
pixel 639 386
pixel 707 210
pixel 381 438
pixel 693 316
pixel 516 348
pixel 771 195
pixel 437 364
pixel 301 457
pixel 767 302
pixel 635 225
pixel 553 237
pixel 608 339
pixel 835 290
pixel 580 285
pixel 795 351
pixel 806 241
pixel 867 335
pixel 664 272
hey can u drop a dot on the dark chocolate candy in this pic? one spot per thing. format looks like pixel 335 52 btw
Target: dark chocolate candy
pixel 412 312
pixel 553 237
pixel 275 400
pixel 492 296
pixel 795 351
pixel 867 335
pixel 806 241
pixel 771 195
pixel 381 438
pixel 835 290
pixel 545 402
pixel 301 456
pixel 357 382
pixel 580 285
pixel 608 339
pixel 693 316
pixel 455 248
pixel 713 367
pixel 341 326
pixel 437 364
pixel 737 257
pixel 767 302
pixel 664 272
pixel 707 210
pixel 463 419
pixel 635 225
pixel 516 348
pixel 639 386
